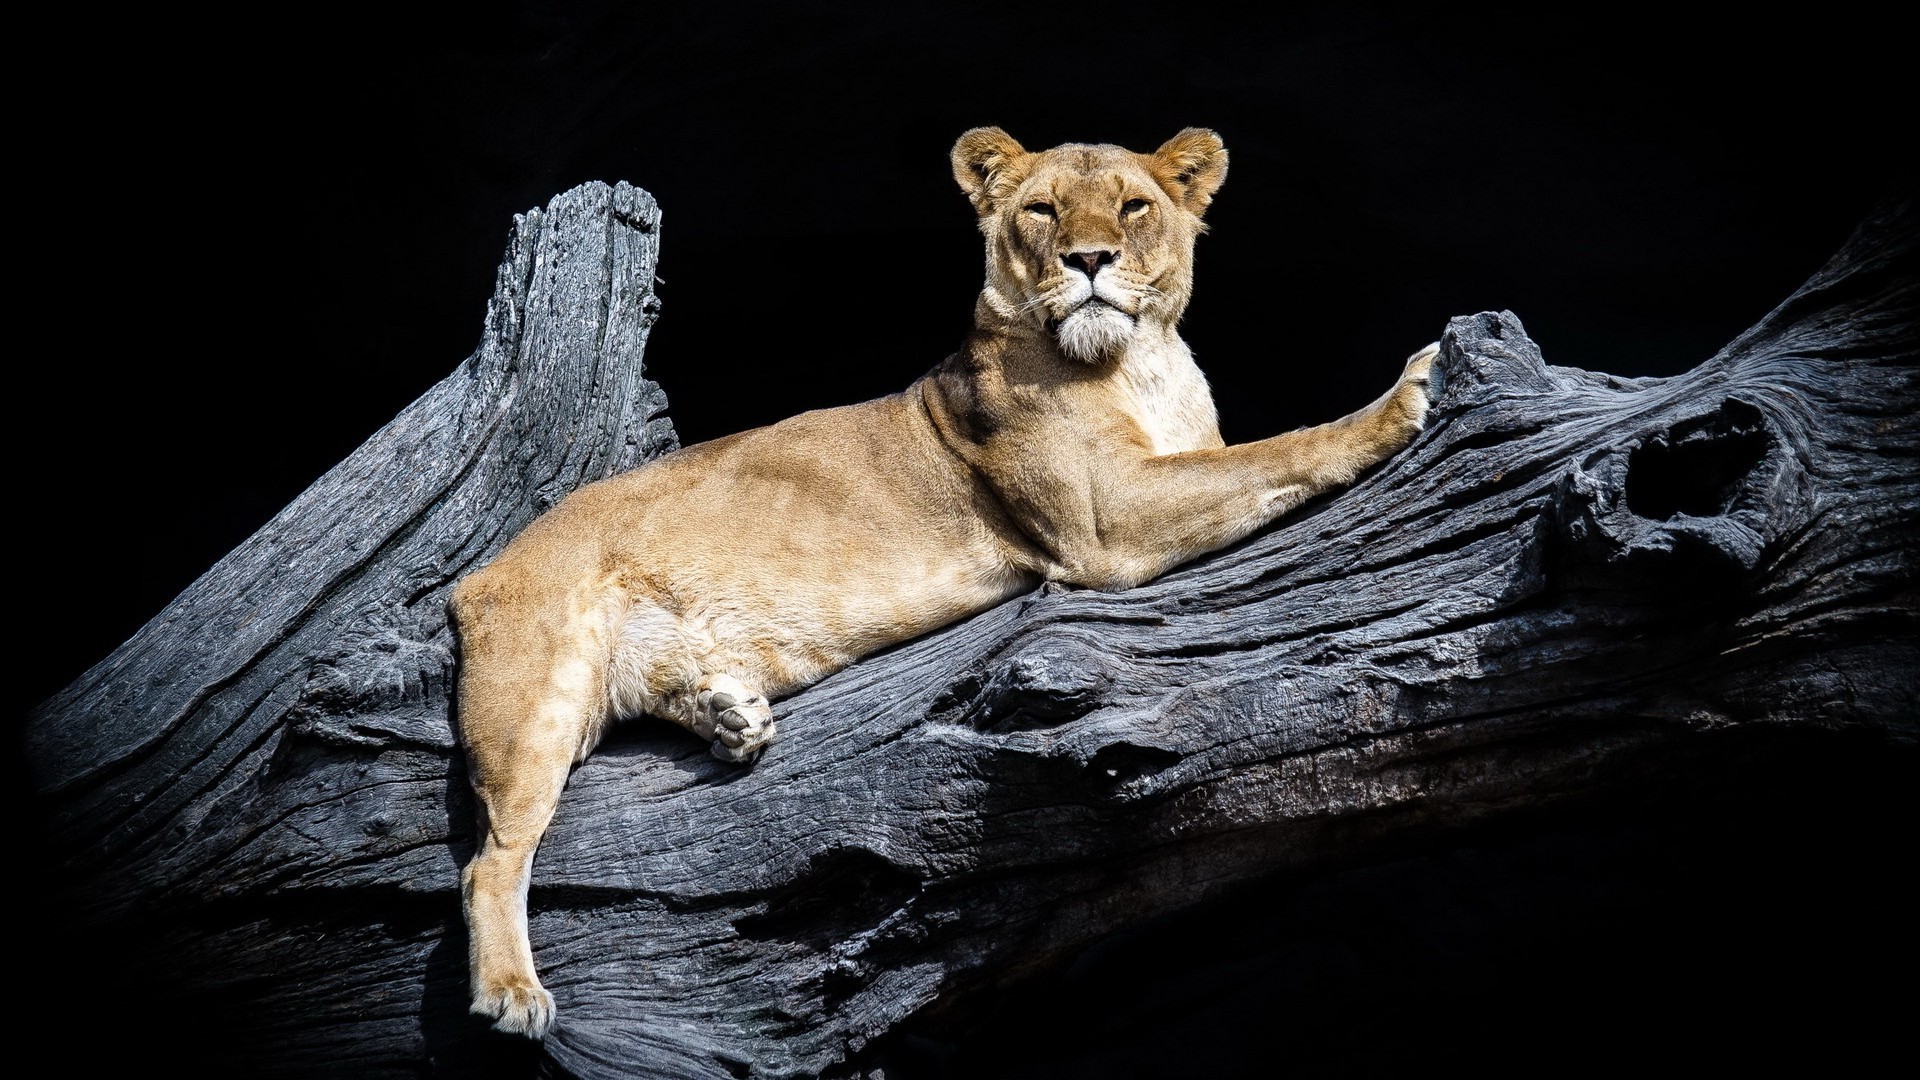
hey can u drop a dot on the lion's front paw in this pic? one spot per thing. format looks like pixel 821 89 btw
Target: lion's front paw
pixel 1420 364
pixel 517 1009
pixel 743 726
pixel 1416 390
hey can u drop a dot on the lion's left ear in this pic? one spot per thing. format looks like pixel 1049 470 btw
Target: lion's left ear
pixel 1190 167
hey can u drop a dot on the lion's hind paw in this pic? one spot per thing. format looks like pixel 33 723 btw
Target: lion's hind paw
pixel 517 1010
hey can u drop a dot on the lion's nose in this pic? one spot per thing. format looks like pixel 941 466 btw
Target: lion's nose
pixel 1088 262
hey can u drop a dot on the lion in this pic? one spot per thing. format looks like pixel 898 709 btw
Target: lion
pixel 1071 438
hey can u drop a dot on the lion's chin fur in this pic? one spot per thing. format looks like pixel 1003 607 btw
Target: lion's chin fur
pixel 1094 332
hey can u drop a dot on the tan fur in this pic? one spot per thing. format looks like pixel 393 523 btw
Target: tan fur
pixel 1070 439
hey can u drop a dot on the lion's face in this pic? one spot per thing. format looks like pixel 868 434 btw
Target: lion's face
pixel 1092 244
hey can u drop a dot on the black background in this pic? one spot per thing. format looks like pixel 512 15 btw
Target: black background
pixel 279 234
pixel 265 238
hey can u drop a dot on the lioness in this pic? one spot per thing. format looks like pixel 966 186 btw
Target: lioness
pixel 1071 439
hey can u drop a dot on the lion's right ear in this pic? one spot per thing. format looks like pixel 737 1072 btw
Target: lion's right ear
pixel 988 164
pixel 1191 166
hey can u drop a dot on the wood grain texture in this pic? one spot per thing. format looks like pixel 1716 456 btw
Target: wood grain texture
pixel 1570 583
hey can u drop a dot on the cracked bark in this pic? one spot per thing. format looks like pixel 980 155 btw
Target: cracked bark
pixel 1571 585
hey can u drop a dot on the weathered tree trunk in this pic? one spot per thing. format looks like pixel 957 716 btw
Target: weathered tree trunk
pixel 1571 583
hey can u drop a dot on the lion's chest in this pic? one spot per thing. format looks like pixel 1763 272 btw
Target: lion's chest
pixel 1171 399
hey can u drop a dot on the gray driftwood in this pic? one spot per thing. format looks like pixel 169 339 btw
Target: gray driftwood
pixel 1570 583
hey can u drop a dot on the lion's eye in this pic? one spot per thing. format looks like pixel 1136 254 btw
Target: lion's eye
pixel 1040 208
pixel 1134 206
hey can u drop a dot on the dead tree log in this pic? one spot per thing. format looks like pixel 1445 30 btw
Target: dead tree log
pixel 1571 584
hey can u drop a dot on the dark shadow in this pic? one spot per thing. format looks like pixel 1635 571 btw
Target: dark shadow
pixel 458 1043
pixel 1754 923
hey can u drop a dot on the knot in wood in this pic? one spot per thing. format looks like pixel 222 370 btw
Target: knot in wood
pixel 1047 680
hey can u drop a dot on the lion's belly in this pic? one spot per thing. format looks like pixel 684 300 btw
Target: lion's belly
pixel 778 633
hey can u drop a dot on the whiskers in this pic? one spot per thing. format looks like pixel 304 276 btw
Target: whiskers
pixel 1093 320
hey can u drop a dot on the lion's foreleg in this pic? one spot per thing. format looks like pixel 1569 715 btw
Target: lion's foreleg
pixel 1163 511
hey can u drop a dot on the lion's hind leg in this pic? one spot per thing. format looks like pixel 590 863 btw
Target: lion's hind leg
pixel 532 703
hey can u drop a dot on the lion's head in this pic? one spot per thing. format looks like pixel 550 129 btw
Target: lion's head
pixel 1092 244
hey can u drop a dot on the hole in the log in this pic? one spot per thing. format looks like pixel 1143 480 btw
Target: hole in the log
pixel 1698 473
pixel 842 892
pixel 735 1067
